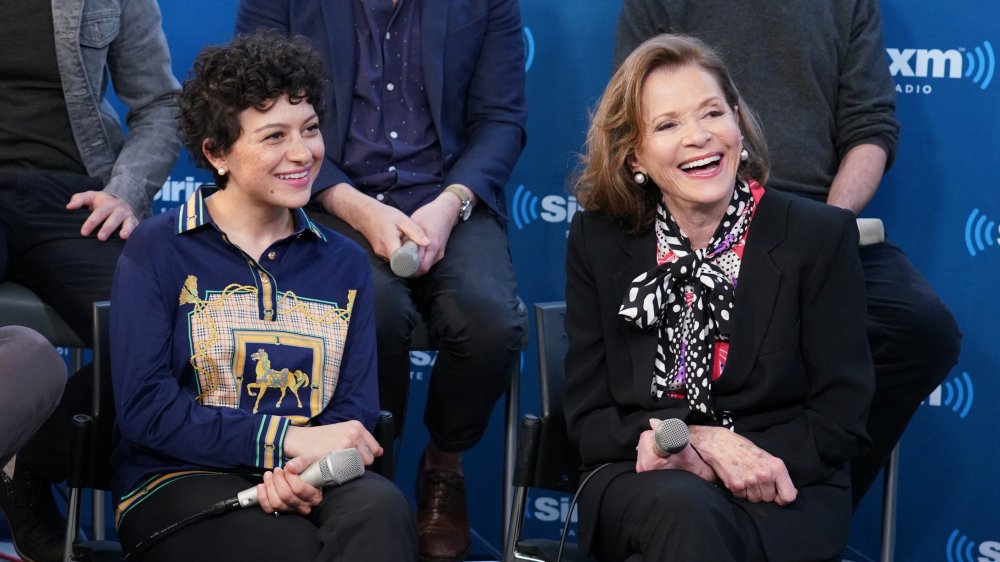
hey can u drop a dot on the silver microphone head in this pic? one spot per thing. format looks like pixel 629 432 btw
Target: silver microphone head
pixel 341 466
pixel 405 261
pixel 671 436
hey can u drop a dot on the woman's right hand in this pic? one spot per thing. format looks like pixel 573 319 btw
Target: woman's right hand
pixel 284 491
pixel 648 457
pixel 319 441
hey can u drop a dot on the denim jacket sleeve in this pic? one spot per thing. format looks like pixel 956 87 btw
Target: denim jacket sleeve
pixel 120 40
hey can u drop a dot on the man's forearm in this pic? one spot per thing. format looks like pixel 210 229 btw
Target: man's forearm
pixel 858 177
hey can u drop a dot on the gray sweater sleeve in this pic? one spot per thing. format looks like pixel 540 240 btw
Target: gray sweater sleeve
pixel 866 100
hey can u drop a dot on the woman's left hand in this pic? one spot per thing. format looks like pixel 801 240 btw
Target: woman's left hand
pixel 283 490
pixel 749 472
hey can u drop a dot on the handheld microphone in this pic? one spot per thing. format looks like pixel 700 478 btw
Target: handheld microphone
pixel 405 261
pixel 671 436
pixel 332 470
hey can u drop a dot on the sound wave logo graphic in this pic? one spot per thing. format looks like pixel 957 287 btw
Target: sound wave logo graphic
pixel 529 49
pixel 979 233
pixel 524 207
pixel 983 65
pixel 959 548
pixel 956 394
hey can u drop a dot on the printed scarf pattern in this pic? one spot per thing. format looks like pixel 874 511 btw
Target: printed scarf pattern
pixel 689 300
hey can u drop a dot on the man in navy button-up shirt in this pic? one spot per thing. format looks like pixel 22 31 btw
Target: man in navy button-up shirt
pixel 426 118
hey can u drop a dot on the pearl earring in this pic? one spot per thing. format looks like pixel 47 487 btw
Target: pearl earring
pixel 744 155
pixel 222 171
pixel 640 178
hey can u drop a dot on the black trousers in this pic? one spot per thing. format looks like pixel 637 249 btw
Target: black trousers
pixel 45 251
pixel 914 342
pixel 668 515
pixel 365 519
pixel 469 300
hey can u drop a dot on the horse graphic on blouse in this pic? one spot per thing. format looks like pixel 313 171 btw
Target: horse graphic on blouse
pixel 269 378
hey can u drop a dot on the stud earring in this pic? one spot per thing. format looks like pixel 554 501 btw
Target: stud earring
pixel 640 178
pixel 744 155
pixel 222 171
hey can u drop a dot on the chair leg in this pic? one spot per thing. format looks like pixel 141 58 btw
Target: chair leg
pixel 889 497
pixel 97 514
pixel 510 445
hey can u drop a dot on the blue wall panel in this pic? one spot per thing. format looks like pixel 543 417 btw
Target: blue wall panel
pixel 940 203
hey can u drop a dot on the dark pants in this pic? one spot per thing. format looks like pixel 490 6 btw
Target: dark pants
pixel 45 251
pixel 365 519
pixel 914 342
pixel 47 254
pixel 672 515
pixel 469 300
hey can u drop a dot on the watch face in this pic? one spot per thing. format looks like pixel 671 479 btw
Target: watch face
pixel 466 211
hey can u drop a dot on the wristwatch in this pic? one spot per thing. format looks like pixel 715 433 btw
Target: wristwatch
pixel 465 211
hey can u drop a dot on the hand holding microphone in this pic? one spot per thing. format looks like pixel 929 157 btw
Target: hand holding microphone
pixel 334 469
pixel 665 446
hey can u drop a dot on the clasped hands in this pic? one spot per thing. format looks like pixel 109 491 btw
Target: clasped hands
pixel 717 454
pixel 386 228
pixel 283 491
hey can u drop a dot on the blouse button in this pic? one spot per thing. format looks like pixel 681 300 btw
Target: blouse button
pixel 272 255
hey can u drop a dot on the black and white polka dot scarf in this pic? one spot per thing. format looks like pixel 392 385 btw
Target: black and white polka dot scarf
pixel 690 302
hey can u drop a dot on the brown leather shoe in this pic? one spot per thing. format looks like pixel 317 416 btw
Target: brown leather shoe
pixel 442 516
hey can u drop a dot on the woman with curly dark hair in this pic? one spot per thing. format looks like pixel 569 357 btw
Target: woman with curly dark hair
pixel 242 339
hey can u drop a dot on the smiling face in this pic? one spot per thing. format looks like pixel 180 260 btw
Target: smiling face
pixel 691 140
pixel 275 160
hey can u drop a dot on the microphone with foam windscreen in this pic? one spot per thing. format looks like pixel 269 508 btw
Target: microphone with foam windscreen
pixel 332 470
pixel 671 436
pixel 405 261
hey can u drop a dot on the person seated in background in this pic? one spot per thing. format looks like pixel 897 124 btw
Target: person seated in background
pixel 828 114
pixel 243 337
pixel 426 121
pixel 694 292
pixel 31 382
pixel 74 183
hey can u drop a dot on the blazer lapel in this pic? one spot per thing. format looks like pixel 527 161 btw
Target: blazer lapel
pixel 638 255
pixel 433 30
pixel 757 287
pixel 341 64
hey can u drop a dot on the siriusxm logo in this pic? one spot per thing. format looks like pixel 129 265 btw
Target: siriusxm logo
pixel 548 509
pixel 177 191
pixel 961 549
pixel 977 65
pixel 980 232
pixel 955 394
pixel 529 48
pixel 554 208
pixel 421 363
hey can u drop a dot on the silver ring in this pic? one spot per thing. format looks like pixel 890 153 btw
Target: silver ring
pixel 276 514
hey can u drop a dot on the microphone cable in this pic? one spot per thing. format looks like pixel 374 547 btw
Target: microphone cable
pixel 572 506
pixel 145 544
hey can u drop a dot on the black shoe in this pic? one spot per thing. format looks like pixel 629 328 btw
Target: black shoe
pixel 37 528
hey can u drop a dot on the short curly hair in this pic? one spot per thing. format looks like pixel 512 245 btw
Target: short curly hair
pixel 253 70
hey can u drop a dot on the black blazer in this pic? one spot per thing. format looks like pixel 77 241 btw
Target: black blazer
pixel 799 375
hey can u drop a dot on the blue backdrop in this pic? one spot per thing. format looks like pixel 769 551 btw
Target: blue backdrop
pixel 939 202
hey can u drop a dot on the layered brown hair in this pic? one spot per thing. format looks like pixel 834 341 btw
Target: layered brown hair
pixel 605 182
